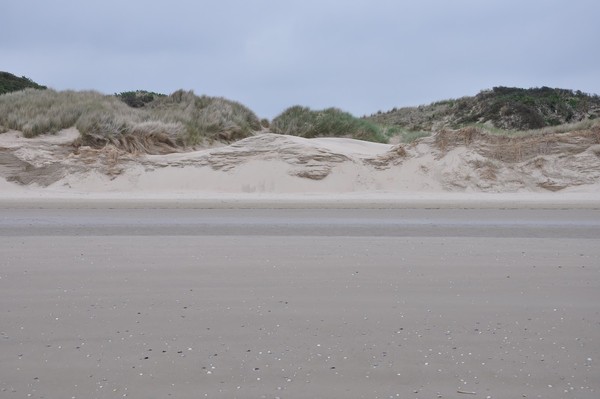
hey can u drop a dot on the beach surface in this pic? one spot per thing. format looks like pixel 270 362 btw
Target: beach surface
pixel 108 301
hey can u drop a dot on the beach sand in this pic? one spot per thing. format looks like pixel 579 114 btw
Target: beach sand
pixel 298 316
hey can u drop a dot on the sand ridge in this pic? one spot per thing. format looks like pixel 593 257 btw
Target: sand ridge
pixel 274 164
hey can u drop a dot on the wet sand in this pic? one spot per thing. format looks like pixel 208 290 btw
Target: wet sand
pixel 156 303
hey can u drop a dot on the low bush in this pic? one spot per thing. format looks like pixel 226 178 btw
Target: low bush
pixel 10 83
pixel 139 98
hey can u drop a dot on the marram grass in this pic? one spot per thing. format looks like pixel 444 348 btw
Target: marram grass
pixel 186 118
pixel 330 122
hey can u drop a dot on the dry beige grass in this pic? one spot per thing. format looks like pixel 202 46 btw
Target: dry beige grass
pixel 518 148
pixel 167 124
pixel 487 169
pixel 393 157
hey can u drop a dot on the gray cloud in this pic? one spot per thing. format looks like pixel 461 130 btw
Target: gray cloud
pixel 359 55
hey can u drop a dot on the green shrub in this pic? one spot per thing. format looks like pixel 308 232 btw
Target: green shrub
pixel 331 122
pixel 10 83
pixel 507 108
pixel 139 98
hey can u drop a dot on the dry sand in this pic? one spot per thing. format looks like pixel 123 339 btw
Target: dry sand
pixel 275 165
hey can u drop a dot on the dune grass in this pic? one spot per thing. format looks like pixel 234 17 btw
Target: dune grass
pixel 206 118
pixel 409 136
pixel 585 124
pixel 185 119
pixel 331 122
pixel 404 135
pixel 181 118
pixel 35 111
pixel 519 146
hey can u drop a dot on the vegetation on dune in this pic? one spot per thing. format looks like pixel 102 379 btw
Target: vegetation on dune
pixel 138 98
pixel 35 112
pixel 409 136
pixel 519 146
pixel 521 109
pixel 153 122
pixel 206 118
pixel 504 108
pixel 331 122
pixel 10 83
pixel 176 120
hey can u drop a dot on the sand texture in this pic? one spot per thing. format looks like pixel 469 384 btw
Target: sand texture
pixel 107 303
pixel 270 164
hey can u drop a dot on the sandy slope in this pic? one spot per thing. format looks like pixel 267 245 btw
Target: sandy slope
pixel 272 164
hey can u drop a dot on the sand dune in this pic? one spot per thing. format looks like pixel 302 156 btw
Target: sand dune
pixel 449 162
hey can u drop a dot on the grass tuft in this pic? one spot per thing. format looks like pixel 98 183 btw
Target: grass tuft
pixel 206 118
pixel 521 145
pixel 331 122
pixel 181 118
pixel 35 112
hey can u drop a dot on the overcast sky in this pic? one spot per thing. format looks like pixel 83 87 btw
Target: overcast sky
pixel 361 56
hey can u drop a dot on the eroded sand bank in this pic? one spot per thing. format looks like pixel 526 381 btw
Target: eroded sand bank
pixel 270 164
